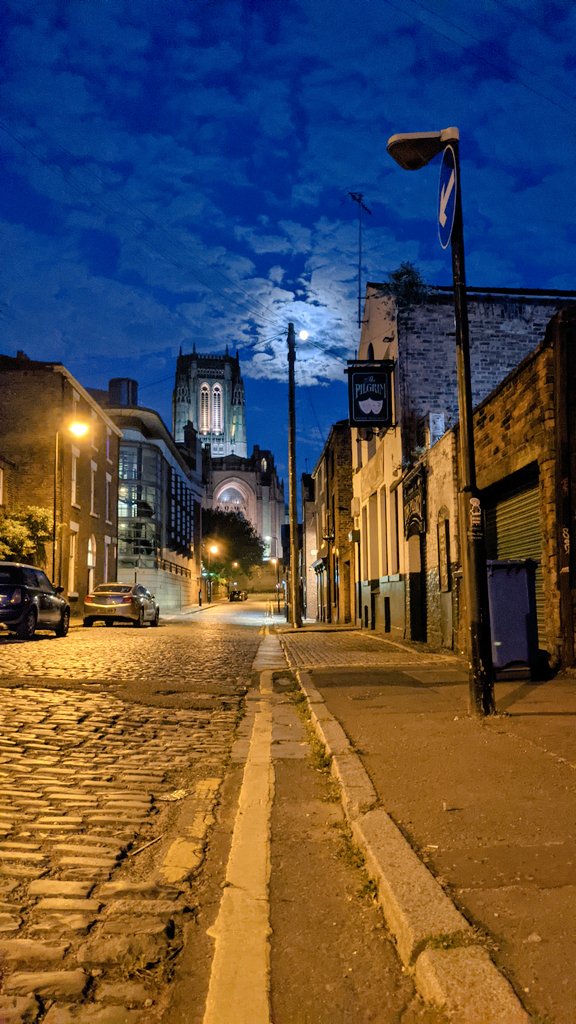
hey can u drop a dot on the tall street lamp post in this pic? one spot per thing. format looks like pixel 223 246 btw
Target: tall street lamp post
pixel 77 429
pixel 212 550
pixel 276 562
pixel 295 613
pixel 413 151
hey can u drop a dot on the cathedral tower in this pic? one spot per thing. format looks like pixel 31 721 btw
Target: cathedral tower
pixel 209 393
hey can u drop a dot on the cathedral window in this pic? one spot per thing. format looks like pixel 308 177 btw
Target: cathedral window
pixel 204 408
pixel 217 409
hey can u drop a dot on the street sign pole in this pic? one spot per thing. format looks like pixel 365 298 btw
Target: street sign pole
pixel 481 682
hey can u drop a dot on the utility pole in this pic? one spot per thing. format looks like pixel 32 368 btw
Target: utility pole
pixel 358 197
pixel 295 613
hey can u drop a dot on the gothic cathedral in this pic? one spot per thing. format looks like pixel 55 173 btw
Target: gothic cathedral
pixel 209 393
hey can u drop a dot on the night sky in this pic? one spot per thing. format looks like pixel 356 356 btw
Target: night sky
pixel 178 173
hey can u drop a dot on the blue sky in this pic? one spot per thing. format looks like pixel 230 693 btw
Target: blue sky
pixel 178 173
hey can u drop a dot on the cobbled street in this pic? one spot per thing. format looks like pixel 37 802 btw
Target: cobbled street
pixel 104 735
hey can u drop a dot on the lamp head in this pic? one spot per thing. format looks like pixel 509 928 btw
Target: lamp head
pixel 414 150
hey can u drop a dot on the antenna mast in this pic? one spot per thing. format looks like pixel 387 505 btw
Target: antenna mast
pixel 358 197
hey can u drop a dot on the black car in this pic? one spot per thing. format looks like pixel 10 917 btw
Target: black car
pixel 28 601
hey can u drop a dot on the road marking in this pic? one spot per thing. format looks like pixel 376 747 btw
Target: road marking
pixel 240 978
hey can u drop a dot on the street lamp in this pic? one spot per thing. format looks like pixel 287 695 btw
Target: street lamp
pixel 413 151
pixel 276 562
pixel 212 550
pixel 78 429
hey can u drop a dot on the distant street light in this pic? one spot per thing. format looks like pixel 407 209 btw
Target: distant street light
pixel 78 429
pixel 413 151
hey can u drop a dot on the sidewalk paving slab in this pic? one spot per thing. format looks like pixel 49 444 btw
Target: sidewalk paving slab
pixel 484 807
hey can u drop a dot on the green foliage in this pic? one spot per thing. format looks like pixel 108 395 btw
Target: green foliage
pixel 236 539
pixel 407 285
pixel 23 534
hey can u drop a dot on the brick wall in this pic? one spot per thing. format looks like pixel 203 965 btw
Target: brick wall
pixel 502 333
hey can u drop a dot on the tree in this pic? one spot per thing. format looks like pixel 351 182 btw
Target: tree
pixel 23 534
pixel 407 285
pixel 235 538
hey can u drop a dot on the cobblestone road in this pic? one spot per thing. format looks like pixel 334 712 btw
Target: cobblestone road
pixel 92 784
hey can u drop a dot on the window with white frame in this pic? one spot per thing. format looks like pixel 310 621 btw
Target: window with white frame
pixel 72 558
pixel 107 498
pixel 74 476
pixel 93 471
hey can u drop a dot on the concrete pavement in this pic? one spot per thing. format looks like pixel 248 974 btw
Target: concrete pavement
pixel 468 827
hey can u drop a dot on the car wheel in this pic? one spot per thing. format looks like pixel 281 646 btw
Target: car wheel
pixel 87 622
pixel 64 624
pixel 27 627
pixel 156 618
pixel 140 620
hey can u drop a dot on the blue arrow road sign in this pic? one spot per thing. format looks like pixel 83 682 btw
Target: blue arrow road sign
pixel 447 196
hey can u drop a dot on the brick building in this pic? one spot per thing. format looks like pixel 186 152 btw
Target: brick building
pixel 334 551
pixel 406 550
pixel 74 478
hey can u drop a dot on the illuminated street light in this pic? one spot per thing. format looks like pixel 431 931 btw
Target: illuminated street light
pixel 78 429
pixel 413 151
pixel 276 562
pixel 212 550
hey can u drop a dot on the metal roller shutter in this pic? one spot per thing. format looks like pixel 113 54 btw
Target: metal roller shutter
pixel 513 530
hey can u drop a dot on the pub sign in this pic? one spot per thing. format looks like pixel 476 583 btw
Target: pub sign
pixel 370 392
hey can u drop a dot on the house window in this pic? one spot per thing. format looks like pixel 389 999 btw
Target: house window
pixel 394 534
pixel 108 490
pixel 72 557
pixel 108 443
pixel 74 477
pixel 93 471
pixel 204 408
pixel 106 570
pixel 217 409
pixel 383 532
pixel 91 563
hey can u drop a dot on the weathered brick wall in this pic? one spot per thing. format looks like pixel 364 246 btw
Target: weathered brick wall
pixel 502 333
pixel 513 428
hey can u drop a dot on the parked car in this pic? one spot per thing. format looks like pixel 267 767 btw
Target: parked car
pixel 237 595
pixel 28 601
pixel 121 602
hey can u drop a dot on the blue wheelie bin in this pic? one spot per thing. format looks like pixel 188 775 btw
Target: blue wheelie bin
pixel 513 622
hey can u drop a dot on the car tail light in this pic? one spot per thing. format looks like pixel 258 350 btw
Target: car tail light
pixel 88 600
pixel 127 599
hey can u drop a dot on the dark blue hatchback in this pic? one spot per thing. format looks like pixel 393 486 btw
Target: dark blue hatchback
pixel 28 601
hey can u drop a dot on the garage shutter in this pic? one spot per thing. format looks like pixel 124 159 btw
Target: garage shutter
pixel 513 531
